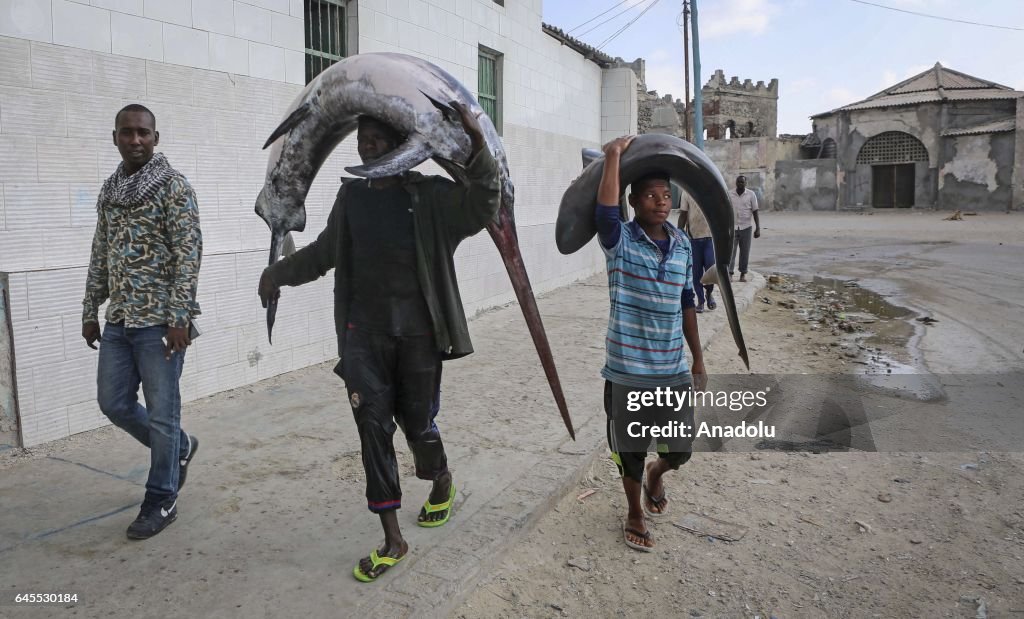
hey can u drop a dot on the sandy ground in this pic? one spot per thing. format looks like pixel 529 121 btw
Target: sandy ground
pixel 854 534
pixel 895 533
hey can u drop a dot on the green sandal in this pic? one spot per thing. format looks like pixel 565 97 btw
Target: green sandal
pixel 377 560
pixel 430 509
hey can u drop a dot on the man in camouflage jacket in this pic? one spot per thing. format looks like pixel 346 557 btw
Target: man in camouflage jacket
pixel 145 260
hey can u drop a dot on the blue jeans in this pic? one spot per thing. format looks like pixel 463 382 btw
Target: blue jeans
pixel 128 357
pixel 703 259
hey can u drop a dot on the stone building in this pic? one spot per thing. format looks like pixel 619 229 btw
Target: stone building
pixel 655 114
pixel 741 132
pixel 741 122
pixel 734 109
pixel 219 74
pixel 940 139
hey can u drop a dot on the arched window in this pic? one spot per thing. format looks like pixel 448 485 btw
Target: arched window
pixel 892 147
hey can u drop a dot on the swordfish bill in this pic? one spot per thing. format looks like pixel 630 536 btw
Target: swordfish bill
pixel 411 95
pixel 688 167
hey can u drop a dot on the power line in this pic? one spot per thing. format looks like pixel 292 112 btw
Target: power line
pixel 624 28
pixel 629 8
pixel 615 6
pixel 939 17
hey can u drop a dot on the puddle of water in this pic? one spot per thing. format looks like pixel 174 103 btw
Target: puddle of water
pixel 867 300
pixel 880 329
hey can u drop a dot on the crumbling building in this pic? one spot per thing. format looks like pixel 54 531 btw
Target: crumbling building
pixel 940 139
pixel 735 109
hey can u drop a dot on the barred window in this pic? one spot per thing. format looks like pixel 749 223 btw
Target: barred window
pixel 828 149
pixel 325 35
pixel 489 84
pixel 892 147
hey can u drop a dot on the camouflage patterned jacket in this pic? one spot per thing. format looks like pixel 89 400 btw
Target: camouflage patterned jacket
pixel 145 259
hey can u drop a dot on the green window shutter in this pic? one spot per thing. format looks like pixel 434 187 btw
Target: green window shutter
pixel 489 85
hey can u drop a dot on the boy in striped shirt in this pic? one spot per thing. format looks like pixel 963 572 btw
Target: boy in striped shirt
pixel 650 286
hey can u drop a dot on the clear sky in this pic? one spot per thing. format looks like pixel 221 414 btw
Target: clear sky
pixel 825 53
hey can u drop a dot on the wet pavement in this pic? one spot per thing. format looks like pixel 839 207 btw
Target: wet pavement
pixel 946 297
pixel 968 275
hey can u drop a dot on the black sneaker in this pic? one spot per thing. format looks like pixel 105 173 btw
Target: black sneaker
pixel 193 447
pixel 152 519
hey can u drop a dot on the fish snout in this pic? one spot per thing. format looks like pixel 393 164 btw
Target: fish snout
pixel 263 205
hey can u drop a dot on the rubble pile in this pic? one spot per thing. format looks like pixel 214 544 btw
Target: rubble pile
pixel 834 311
pixel 823 308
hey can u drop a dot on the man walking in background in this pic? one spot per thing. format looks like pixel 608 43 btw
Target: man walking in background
pixel 744 205
pixel 692 220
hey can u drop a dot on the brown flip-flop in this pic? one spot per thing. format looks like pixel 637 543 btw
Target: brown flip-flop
pixel 627 530
pixel 661 502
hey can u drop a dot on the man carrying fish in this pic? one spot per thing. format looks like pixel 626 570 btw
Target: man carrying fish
pixel 650 286
pixel 398 313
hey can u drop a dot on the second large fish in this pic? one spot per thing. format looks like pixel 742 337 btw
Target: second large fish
pixel 688 167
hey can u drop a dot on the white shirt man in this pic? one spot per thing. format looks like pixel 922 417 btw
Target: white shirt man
pixel 744 205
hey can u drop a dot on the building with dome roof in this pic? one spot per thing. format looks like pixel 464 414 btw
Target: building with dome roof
pixel 940 139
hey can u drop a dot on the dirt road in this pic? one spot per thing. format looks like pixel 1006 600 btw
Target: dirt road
pixel 929 522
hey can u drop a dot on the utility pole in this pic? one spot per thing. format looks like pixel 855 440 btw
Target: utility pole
pixel 686 69
pixel 698 99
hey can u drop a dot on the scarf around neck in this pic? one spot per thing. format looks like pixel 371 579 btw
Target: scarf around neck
pixel 136 189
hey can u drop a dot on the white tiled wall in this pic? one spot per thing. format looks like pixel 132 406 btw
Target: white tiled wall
pixel 552 107
pixel 618 103
pixel 57 105
pixel 244 37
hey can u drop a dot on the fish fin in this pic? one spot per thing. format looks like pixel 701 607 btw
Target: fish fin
pixel 289 123
pixel 590 155
pixel 446 110
pixel 288 247
pixel 407 156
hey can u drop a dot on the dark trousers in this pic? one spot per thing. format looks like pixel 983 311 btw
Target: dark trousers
pixel 703 259
pixel 629 455
pixel 742 244
pixel 394 382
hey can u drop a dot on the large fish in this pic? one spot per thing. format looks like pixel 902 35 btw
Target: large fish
pixel 411 95
pixel 688 167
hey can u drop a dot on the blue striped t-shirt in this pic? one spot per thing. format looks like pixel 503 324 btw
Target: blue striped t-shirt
pixel 648 289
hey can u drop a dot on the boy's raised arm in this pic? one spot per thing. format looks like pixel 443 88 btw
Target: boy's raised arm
pixel 606 211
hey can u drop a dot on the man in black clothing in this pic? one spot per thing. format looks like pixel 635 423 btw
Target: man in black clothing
pixel 398 313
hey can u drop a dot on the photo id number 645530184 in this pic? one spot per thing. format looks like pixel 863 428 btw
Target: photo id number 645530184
pixel 44 598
